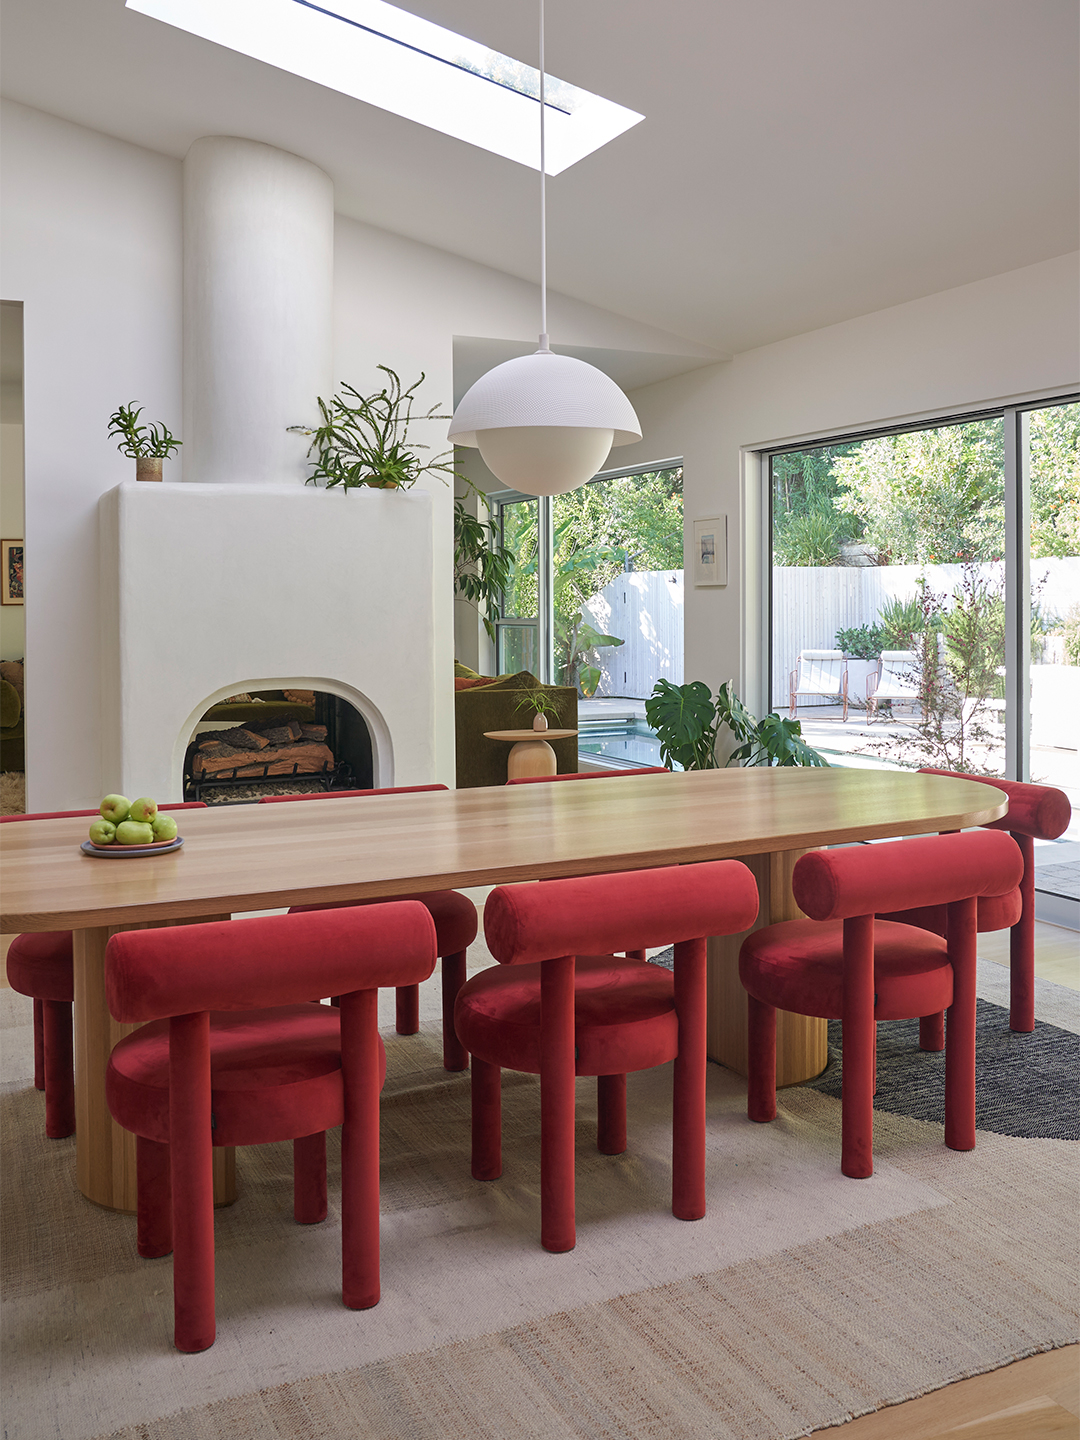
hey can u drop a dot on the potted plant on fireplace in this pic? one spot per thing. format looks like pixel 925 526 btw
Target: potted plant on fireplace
pixel 147 445
pixel 364 440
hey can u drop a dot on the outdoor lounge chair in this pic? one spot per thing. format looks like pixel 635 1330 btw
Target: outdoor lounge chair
pixel 820 672
pixel 897 678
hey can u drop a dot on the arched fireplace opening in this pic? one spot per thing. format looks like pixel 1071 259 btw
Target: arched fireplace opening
pixel 277 742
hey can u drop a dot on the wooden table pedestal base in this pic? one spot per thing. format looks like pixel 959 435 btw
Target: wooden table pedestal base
pixel 801 1040
pixel 105 1165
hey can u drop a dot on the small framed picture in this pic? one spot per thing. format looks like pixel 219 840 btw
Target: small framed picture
pixel 11 583
pixel 710 551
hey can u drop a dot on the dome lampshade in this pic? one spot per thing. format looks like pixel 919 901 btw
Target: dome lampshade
pixel 544 423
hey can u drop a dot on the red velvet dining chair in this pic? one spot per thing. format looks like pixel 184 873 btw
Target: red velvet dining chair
pixel 455 926
pixel 40 965
pixel 843 964
pixel 1036 812
pixel 211 1069
pixel 559 1004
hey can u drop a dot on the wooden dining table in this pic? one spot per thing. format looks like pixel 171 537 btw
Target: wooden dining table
pixel 241 858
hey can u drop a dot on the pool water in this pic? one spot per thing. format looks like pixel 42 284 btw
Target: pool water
pixel 618 745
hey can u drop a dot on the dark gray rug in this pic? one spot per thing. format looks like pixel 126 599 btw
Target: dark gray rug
pixel 1025 1084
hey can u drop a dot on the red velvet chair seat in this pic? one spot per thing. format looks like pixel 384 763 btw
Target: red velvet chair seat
pixel 624 1016
pixel 799 966
pixel 40 965
pixel 274 1075
pixel 454 915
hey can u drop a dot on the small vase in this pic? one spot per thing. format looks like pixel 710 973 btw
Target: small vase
pixel 148 467
pixel 540 722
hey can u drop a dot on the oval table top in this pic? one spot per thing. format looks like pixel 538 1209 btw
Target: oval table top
pixel 261 857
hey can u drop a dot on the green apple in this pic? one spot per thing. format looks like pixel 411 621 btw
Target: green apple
pixel 103 832
pixel 115 808
pixel 144 809
pixel 164 827
pixel 134 832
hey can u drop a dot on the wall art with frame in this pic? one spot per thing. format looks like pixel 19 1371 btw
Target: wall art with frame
pixel 11 572
pixel 711 551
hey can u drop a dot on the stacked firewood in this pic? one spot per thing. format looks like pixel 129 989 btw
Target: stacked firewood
pixel 270 747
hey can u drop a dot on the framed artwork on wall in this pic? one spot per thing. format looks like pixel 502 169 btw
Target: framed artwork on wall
pixel 11 579
pixel 710 551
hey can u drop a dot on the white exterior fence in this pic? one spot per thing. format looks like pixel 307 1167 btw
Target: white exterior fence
pixel 810 604
pixel 645 609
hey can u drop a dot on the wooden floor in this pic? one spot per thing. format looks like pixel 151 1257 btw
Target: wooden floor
pixel 1033 1399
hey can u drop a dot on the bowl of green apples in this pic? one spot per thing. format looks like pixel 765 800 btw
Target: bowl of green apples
pixel 131 827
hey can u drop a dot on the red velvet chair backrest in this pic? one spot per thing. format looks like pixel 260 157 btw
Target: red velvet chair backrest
pixel 1041 811
pixel 600 914
pixel 274 960
pixel 69 814
pixel 588 774
pixel 905 874
pixel 347 794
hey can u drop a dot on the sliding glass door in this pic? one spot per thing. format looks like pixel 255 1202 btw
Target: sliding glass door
pixel 925 591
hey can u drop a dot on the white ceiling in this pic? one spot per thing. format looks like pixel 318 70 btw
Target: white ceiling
pixel 801 161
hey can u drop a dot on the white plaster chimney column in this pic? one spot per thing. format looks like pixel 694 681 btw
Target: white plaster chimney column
pixel 258 309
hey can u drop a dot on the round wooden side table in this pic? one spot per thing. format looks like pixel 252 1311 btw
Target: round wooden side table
pixel 531 754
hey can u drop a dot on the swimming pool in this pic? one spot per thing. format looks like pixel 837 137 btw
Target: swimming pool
pixel 628 745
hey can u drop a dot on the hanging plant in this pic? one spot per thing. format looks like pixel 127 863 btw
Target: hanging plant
pixel 364 439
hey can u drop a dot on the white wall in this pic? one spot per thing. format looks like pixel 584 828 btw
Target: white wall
pixel 92 246
pixel 1011 337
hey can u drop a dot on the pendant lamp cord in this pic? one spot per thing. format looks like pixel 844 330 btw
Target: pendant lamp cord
pixel 543 194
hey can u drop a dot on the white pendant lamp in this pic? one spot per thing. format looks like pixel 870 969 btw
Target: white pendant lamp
pixel 544 423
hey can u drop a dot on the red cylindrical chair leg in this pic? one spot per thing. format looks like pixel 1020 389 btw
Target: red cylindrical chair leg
pixel 407 1020
pixel 960 1046
pixel 193 1183
pixel 360 1150
pixel 857 1091
pixel 1022 946
pixel 39 1046
pixel 309 1179
pixel 557 1231
pixel 611 1114
pixel 486 1120
pixel 59 1069
pixel 761 1061
pixel 455 1056
pixel 154 1205
pixel 932 1032
pixel 688 1100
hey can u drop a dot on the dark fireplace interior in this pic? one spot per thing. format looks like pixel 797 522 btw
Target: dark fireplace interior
pixel 277 742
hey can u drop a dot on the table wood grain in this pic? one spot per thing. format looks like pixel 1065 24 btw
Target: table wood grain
pixel 261 857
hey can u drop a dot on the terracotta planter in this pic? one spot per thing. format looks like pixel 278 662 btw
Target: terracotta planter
pixel 148 467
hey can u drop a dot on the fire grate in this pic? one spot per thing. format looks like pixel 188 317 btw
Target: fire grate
pixel 339 776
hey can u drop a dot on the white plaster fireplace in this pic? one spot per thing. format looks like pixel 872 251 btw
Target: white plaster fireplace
pixel 240 577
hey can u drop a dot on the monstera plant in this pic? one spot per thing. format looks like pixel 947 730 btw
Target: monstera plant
pixel 687 721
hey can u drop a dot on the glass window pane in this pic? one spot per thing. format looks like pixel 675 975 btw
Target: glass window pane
pixel 888 597
pixel 618 584
pixel 1054 471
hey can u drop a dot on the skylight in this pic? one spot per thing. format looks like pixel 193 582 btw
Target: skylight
pixel 387 57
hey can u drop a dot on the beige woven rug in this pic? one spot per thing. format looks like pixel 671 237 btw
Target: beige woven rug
pixel 802 1299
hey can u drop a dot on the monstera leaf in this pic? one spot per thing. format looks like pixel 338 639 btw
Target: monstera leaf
pixel 684 719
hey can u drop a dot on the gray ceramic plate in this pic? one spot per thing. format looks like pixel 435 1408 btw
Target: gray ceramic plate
pixel 130 852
